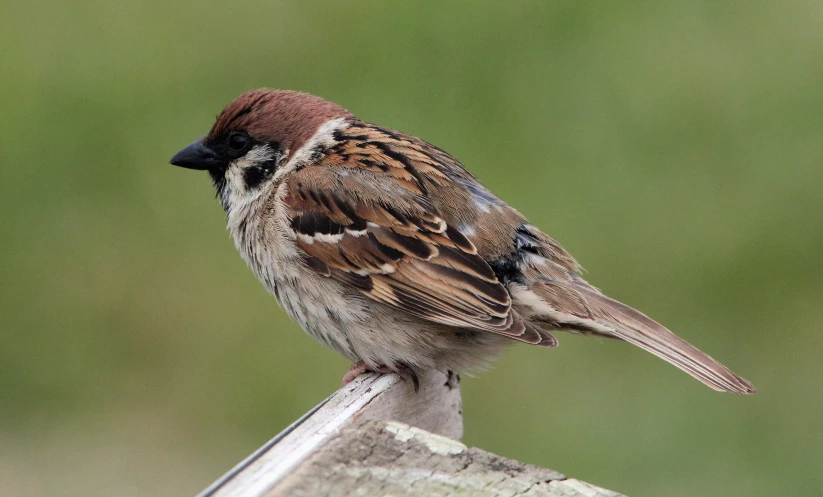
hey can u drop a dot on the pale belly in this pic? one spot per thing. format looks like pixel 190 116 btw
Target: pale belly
pixel 362 329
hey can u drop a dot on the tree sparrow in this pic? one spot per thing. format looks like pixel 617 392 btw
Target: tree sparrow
pixel 384 248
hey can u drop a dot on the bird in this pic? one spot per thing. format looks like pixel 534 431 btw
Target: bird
pixel 388 250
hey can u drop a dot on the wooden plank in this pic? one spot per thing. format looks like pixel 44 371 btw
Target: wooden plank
pixel 379 458
pixel 436 407
pixel 377 436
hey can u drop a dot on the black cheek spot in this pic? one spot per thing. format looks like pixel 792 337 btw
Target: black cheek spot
pixel 254 176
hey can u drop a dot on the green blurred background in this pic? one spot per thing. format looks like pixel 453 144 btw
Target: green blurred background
pixel 674 147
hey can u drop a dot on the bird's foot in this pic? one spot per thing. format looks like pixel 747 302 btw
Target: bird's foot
pixel 361 367
pixel 354 371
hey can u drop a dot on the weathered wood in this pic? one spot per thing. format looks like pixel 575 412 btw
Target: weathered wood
pixel 390 458
pixel 436 407
pixel 377 436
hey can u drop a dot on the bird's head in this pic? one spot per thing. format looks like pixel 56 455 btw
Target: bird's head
pixel 258 138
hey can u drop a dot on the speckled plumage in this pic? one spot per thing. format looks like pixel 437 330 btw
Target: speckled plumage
pixel 384 248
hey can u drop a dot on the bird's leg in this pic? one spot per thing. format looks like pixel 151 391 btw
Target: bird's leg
pixel 361 367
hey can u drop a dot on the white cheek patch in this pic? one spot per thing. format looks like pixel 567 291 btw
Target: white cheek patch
pixel 236 192
pixel 234 178
pixel 257 155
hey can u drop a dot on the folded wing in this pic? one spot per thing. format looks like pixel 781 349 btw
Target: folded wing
pixel 404 255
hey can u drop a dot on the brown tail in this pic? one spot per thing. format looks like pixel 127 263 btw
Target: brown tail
pixel 636 328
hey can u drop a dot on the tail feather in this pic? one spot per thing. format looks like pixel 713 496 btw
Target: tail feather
pixel 547 291
pixel 632 326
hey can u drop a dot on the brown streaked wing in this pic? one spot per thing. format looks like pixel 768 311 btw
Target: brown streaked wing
pixel 411 260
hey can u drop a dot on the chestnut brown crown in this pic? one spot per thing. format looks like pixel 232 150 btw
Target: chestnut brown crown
pixel 288 118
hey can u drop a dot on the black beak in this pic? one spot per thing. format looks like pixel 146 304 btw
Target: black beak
pixel 196 156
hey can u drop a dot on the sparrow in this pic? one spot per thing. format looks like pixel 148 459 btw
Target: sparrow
pixel 386 249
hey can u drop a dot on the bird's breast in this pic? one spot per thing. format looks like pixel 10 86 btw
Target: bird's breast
pixel 321 306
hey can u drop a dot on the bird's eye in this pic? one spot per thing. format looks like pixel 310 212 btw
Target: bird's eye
pixel 238 141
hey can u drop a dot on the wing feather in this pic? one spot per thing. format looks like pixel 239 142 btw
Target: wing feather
pixel 408 258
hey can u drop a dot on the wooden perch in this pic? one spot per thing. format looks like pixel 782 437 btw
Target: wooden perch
pixel 377 436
